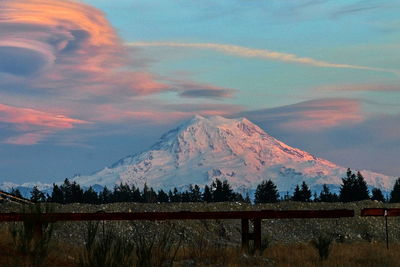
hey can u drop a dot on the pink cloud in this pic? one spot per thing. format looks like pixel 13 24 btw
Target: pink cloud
pixel 72 47
pixel 35 125
pixel 26 139
pixel 31 117
pixel 312 115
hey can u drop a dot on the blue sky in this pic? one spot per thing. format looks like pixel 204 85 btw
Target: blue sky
pixel 83 84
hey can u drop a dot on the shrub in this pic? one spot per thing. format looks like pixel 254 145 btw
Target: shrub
pixel 31 240
pixel 323 245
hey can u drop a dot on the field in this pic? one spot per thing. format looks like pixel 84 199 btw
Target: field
pixel 354 241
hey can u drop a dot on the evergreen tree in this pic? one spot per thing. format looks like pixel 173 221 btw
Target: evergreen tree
pixel 326 195
pixel 195 194
pixel 297 194
pixel 216 190
pixel 162 196
pixel 67 191
pixel 37 195
pixel 354 188
pixel 176 196
pixel 185 196
pixel 90 196
pixel 76 193
pixel 207 196
pixel 105 196
pixel 302 194
pixel 122 193
pixel 136 195
pixel 228 194
pixel 377 195
pixel 247 199
pixel 16 193
pixel 395 193
pixel 266 192
pixel 57 195
pixel 149 196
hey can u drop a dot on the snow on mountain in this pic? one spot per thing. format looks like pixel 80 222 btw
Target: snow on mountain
pixel 203 149
pixel 26 188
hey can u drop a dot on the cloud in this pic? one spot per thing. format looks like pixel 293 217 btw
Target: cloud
pixel 260 54
pixel 68 47
pixel 33 125
pixel 337 130
pixel 389 87
pixel 312 115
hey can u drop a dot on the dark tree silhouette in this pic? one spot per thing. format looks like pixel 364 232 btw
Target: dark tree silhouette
pixel 90 196
pixel 327 196
pixel 395 193
pixel 377 195
pixel 302 194
pixel 266 192
pixel 162 196
pixel 207 195
pixel 222 191
pixel 354 188
pixel 105 196
pixel 57 195
pixel 37 195
pixel 195 194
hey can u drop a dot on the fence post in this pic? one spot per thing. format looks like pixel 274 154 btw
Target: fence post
pixel 245 235
pixel 257 235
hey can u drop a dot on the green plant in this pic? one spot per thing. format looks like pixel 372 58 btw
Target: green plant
pixel 323 245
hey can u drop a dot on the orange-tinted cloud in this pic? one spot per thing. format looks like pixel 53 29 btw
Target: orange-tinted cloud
pixel 67 45
pixel 31 117
pixel 312 115
pixel 34 125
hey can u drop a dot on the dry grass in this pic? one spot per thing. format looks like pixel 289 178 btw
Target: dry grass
pixel 206 253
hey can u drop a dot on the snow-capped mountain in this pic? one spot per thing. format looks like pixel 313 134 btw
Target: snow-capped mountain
pixel 203 149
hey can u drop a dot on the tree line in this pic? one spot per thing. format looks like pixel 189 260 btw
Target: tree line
pixel 353 188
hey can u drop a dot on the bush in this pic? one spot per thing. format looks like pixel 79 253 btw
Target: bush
pixel 106 248
pixel 323 245
pixel 31 240
pixel 156 245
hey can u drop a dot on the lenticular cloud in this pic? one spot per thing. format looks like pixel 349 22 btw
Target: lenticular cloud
pixel 54 42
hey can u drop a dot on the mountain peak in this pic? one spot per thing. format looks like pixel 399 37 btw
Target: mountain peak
pixel 203 149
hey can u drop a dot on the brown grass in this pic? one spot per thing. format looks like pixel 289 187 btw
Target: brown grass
pixel 206 253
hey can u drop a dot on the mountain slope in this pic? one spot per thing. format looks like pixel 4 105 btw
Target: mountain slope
pixel 203 149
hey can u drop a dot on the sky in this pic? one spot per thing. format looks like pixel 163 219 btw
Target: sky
pixel 85 83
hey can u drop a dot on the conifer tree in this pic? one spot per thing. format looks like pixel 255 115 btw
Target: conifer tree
pixel 266 192
pixel 302 194
pixel 207 195
pixel 395 193
pixel 162 196
pixel 195 194
pixel 377 195
pixel 37 195
pixel 327 196
pixel 105 196
pixel 90 196
pixel 354 188
pixel 57 195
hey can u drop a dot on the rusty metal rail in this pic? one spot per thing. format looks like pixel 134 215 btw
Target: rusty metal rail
pixel 244 216
pixel 380 212
pixel 180 215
